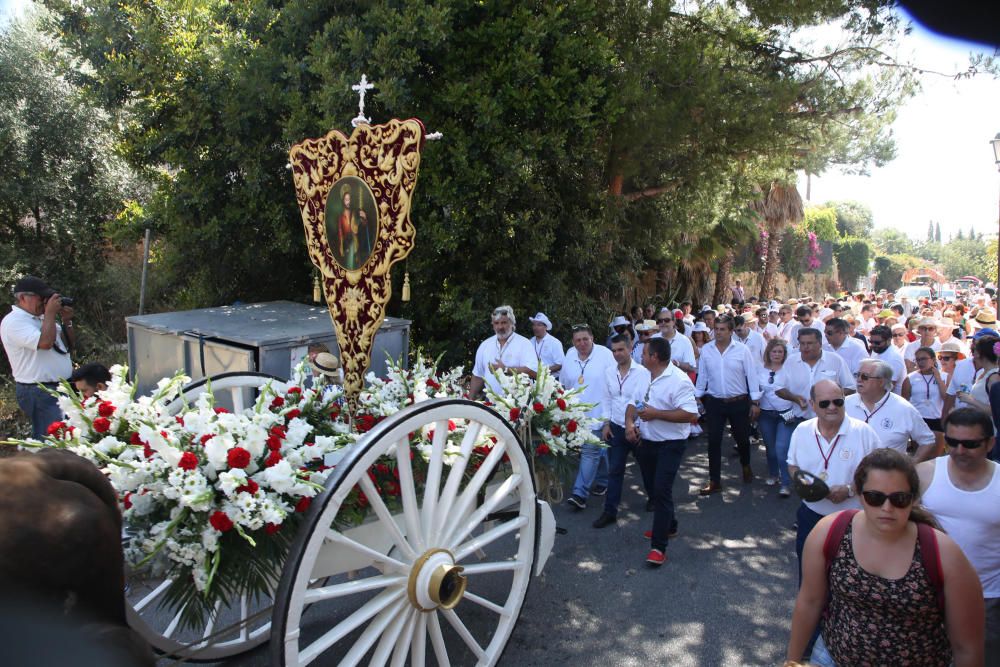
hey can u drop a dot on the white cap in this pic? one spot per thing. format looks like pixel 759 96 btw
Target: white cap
pixel 540 317
pixel 619 321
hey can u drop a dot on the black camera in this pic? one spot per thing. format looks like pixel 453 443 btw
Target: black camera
pixel 67 300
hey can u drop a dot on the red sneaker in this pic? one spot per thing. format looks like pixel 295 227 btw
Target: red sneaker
pixel 672 533
pixel 656 557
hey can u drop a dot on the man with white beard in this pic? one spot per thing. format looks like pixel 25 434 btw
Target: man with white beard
pixel 505 351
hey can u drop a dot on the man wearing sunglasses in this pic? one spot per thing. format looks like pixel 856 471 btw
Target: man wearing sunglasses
pixel 840 342
pixel 893 418
pixel 681 347
pixel 927 330
pixel 38 349
pixel 962 491
pixel 800 373
pixel 830 446
pixel 883 349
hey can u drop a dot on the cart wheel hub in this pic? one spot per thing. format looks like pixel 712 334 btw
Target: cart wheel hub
pixel 436 581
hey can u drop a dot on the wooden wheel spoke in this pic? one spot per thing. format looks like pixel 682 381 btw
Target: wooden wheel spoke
pixel 314 595
pixel 454 481
pixel 455 622
pixel 463 550
pixel 433 483
pixel 155 593
pixel 211 620
pixel 437 639
pixel 402 648
pixel 351 623
pixel 487 568
pixel 389 641
pixel 379 625
pixel 483 602
pixel 378 506
pixel 408 492
pixel 419 647
pixel 340 539
pixel 462 527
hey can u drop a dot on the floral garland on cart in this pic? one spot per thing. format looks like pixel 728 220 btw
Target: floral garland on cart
pixel 213 498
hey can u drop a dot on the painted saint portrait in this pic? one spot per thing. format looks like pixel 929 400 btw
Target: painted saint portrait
pixel 351 222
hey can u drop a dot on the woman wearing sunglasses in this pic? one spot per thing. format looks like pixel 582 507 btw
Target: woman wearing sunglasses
pixel 875 593
pixel 925 388
pixel 773 428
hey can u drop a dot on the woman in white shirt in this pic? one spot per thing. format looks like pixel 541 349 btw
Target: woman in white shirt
pixel 776 432
pixel 925 389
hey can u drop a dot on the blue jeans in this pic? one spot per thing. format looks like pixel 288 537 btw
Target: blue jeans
pixel 617 458
pixel 40 406
pixel 663 459
pixel 777 437
pixel 593 469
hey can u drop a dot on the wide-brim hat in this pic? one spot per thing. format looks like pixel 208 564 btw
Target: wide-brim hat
pixel 985 318
pixel 540 317
pixel 952 346
pixel 809 487
pixel 700 326
pixel 619 321
pixel 927 322
pixel 34 286
pixel 647 325
pixel 328 365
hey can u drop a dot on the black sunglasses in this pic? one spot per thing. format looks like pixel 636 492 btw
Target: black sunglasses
pixel 864 377
pixel 899 499
pixel 968 444
pixel 839 402
pixel 770 380
pixel 663 319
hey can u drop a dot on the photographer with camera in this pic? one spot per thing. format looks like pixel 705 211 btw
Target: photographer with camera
pixel 38 348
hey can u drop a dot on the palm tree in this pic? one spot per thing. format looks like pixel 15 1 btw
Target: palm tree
pixel 780 206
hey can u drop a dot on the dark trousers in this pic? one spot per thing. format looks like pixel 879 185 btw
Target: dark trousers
pixel 806 521
pixel 717 413
pixel 663 458
pixel 618 450
pixel 40 406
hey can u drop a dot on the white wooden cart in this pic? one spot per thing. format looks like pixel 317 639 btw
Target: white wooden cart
pixel 450 570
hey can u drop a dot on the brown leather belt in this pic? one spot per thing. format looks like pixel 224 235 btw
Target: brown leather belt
pixel 733 399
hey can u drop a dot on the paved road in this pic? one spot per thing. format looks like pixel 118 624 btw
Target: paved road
pixel 725 597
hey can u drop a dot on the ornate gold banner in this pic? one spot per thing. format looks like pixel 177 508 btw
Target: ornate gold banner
pixel 354 195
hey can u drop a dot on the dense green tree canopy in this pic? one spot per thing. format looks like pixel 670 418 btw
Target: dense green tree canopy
pixel 584 141
pixel 853 218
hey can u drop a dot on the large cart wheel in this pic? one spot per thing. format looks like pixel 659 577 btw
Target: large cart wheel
pixel 463 544
pixel 236 627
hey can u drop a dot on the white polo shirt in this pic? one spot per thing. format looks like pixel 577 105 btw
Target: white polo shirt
pixel 622 390
pixel 892 357
pixel 799 377
pixel 549 350
pixel 592 371
pixel 681 349
pixel 515 352
pixel 853 352
pixel 756 343
pixel 839 458
pixel 20 332
pixel 727 374
pixel 670 390
pixel 894 420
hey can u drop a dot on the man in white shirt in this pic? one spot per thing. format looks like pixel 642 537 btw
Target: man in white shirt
pixel 38 349
pixel 786 323
pixel 505 351
pixel 584 367
pixel 880 339
pixel 548 349
pixel 927 331
pixel 663 422
pixel 946 332
pixel 894 420
pixel 830 446
pixel 839 342
pixel 800 373
pixel 962 491
pixel 729 389
pixel 644 330
pixel 804 315
pixel 681 347
pixel 743 333
pixel 624 384
pixel 762 325
pixel 867 319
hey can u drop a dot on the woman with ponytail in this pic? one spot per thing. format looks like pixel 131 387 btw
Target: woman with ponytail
pixel 891 588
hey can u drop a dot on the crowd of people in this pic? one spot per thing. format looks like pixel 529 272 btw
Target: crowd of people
pixel 863 405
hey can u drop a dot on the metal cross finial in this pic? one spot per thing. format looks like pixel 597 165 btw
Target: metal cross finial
pixel 361 88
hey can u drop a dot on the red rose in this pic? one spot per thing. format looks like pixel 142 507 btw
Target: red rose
pixel 250 487
pixel 571 426
pixel 273 443
pixel 292 414
pixel 220 521
pixel 102 425
pixel 393 488
pixel 561 402
pixel 105 409
pixel 238 458
pixel 382 468
pixel 542 450
pixel 294 390
pixel 205 438
pixel 127 501
pixel 55 428
pixel 556 430
pixel 273 459
pixel 451 425
pixel 221 411
pixel 538 407
pixel 188 461
pixel 277 402
pixel 432 384
pixel 278 431
pixel 303 504
pixel 515 414
pixel 272 528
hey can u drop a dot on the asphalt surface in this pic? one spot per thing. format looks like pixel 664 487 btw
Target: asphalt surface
pixel 724 597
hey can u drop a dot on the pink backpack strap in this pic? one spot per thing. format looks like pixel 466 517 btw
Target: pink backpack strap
pixel 931 557
pixel 836 534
